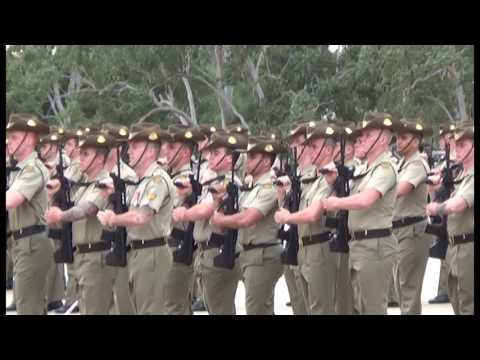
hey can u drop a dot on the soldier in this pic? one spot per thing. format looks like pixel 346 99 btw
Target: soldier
pixel 123 305
pixel 445 134
pixel 148 221
pixel 460 225
pixel 26 201
pixel 49 146
pixel 343 283
pixel 240 164
pixel 409 219
pixel 75 175
pixel 260 247
pixel 317 264
pixel 219 285
pixel 370 205
pixel 179 283
pixel 95 278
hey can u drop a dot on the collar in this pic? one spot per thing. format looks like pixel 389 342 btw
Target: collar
pixel 33 156
pixel 263 180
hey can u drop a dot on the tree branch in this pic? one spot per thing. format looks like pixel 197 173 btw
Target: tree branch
pixel 441 104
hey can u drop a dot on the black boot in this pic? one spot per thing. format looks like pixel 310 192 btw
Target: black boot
pixel 11 307
pixel 439 299
pixel 198 305
pixel 393 303
pixel 54 305
pixel 63 309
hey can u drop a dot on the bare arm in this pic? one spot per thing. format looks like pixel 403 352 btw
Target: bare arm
pixel 137 217
pixel 240 220
pixel 79 212
pixel 404 188
pixel 308 215
pixel 359 201
pixel 14 199
pixel 202 211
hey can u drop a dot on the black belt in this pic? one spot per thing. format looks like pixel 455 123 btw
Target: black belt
pixel 407 221
pixel 461 239
pixel 55 234
pixel 371 234
pixel 142 244
pixel 28 231
pixel 316 239
pixel 215 241
pixel 251 247
pixel 92 247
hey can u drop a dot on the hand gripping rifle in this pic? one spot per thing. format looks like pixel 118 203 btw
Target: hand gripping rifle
pixel 117 255
pixel 8 170
pixel 184 253
pixel 438 225
pixel 340 239
pixel 291 202
pixel 226 258
pixel 64 254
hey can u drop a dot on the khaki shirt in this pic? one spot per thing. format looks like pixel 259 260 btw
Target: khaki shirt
pixel 127 173
pixel 202 229
pixel 413 171
pixel 381 175
pixel 29 181
pixel 311 192
pixel 156 190
pixel 180 174
pixel 463 223
pixel 89 230
pixel 263 198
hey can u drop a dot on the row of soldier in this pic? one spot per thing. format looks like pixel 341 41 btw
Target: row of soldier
pixel 236 208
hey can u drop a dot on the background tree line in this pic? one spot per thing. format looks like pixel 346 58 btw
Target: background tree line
pixel 264 87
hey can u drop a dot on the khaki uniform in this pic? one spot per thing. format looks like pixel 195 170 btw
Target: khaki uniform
pixel 371 260
pixel 413 243
pixel 179 282
pixel 261 266
pixel 123 304
pixel 219 285
pixel 96 279
pixel 72 294
pixel 316 262
pixel 460 257
pixel 32 255
pixel 148 267
pixel 343 282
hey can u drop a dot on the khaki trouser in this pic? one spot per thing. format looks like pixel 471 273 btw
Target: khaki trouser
pixel 443 279
pixel 123 304
pixel 343 287
pixel 392 291
pixel 96 281
pixel 56 280
pixel 318 272
pixel 371 265
pixel 219 285
pixel 9 261
pixel 291 274
pixel 460 277
pixel 178 288
pixel 411 263
pixel 32 259
pixel 72 293
pixel 260 268
pixel 147 274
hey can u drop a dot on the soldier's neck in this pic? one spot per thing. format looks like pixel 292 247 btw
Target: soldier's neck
pixel 110 165
pixel 410 153
pixel 375 154
pixel 22 155
pixel 180 165
pixel 258 176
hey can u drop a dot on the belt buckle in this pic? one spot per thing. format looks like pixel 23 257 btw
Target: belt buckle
pixel 365 233
pixel 89 245
pixel 20 231
pixel 143 242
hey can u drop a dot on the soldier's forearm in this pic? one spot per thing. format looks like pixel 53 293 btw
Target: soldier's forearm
pixel 79 212
pixel 136 217
pixel 454 205
pixel 14 199
pixel 308 215
pixel 200 212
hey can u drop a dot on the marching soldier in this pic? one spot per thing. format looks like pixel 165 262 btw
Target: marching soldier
pixel 317 264
pixel 123 305
pixel 445 134
pixel 148 221
pixel 460 225
pixel 179 283
pixel 219 285
pixel 95 278
pixel 26 202
pixel 409 219
pixel 260 247
pixel 371 205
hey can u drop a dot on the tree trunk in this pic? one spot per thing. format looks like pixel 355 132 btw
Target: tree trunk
pixel 459 93
pixel 191 104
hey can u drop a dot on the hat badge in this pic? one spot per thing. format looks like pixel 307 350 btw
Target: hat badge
pixel 269 148
pixel 232 140
pixel 60 131
pixel 153 136
pixel 329 131
pixel 239 129
pixel 81 143
pixel 272 136
pixel 101 139
pixel 419 127
pixel 54 137
pixel 87 129
pixel 31 123
pixel 9 125
pixel 292 132
pixel 311 124
pixel 387 122
pixel 452 127
pixel 213 129
pixel 79 132
pixel 348 130
pixel 364 123
pixel 122 132
pixel 188 134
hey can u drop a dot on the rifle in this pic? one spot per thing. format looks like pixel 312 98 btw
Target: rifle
pixel 291 202
pixel 184 253
pixel 64 254
pixel 117 255
pixel 340 239
pixel 438 226
pixel 226 258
